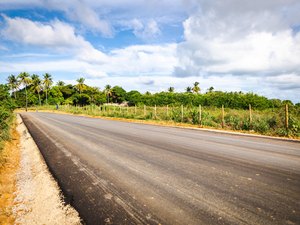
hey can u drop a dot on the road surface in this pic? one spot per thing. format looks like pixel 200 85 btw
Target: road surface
pixel 126 173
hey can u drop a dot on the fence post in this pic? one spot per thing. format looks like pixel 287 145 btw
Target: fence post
pixel 250 117
pixel 144 110
pixel 155 112
pixel 200 115
pixel 287 117
pixel 135 110
pixel 181 113
pixel 223 121
pixel 167 112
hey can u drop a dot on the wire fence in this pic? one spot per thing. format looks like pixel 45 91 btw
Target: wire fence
pixel 281 121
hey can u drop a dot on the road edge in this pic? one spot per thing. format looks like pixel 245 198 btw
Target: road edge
pixel 38 198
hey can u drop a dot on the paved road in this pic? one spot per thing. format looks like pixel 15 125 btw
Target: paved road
pixel 125 173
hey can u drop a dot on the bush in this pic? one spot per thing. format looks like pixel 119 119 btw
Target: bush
pixel 6 113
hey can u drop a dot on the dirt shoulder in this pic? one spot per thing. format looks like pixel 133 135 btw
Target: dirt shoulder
pixel 9 165
pixel 29 193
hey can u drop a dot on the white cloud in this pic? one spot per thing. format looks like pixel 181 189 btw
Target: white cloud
pixel 60 38
pixel 55 35
pixel 131 61
pixel 101 16
pixel 142 59
pixel 80 11
pixel 149 30
pixel 232 37
pixel 142 29
pixel 91 73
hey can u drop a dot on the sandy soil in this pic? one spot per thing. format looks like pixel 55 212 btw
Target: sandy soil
pixel 9 165
pixel 38 197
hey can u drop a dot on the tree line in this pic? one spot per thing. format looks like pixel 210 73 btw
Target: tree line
pixel 30 90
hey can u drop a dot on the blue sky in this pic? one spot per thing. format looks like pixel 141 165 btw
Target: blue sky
pixel 233 45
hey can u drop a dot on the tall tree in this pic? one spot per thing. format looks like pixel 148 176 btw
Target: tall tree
pixel 60 83
pixel 196 88
pixel 37 85
pixel 171 89
pixel 211 89
pixel 108 91
pixel 13 84
pixel 188 90
pixel 25 80
pixel 118 94
pixel 47 84
pixel 80 86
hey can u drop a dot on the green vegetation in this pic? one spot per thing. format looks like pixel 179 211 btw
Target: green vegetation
pixel 267 115
pixel 268 122
pixel 6 114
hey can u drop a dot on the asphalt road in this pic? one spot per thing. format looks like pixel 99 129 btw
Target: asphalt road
pixel 125 173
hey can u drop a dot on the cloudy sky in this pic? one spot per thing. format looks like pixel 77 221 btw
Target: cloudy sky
pixel 232 45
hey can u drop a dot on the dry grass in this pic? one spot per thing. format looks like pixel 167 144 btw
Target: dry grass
pixel 9 164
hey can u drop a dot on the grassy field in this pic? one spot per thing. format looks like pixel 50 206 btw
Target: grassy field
pixel 268 122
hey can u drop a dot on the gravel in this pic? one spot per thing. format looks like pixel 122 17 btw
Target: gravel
pixel 38 197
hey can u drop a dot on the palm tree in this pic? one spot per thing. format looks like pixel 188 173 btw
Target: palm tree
pixel 80 86
pixel 211 89
pixel 171 89
pixel 196 88
pixel 47 84
pixel 25 80
pixel 37 85
pixel 60 83
pixel 13 84
pixel 108 91
pixel 188 90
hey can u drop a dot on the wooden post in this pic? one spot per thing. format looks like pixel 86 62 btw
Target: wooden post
pixel 120 109
pixel 155 112
pixel 144 110
pixel 250 117
pixel 223 121
pixel 135 110
pixel 167 111
pixel 127 109
pixel 181 113
pixel 200 115
pixel 287 117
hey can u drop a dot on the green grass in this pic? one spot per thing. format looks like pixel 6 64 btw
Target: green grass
pixel 268 122
pixel 6 120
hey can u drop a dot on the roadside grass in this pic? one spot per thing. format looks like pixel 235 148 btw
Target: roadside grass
pixel 269 122
pixel 6 120
pixel 9 164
